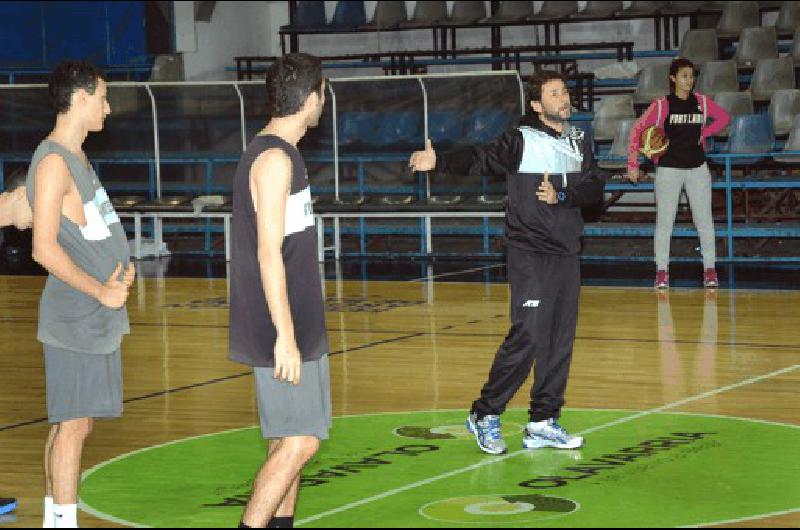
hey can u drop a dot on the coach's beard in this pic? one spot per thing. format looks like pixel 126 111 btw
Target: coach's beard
pixel 555 117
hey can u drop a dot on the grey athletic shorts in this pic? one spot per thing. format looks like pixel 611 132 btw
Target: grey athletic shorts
pixel 82 385
pixel 295 410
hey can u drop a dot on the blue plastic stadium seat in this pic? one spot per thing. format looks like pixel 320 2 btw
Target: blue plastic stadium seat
pixel 356 128
pixel 446 126
pixel 310 14
pixel 750 133
pixel 349 14
pixel 487 124
pixel 399 130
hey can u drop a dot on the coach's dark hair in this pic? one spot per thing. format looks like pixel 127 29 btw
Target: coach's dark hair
pixel 68 77
pixel 537 81
pixel 675 67
pixel 290 80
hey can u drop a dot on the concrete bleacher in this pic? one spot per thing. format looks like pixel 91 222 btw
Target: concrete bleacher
pixel 367 201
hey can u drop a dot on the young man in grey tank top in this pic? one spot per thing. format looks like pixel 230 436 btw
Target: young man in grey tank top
pixel 14 211
pixel 277 310
pixel 14 208
pixel 79 240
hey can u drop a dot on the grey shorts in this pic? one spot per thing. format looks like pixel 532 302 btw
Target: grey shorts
pixel 287 410
pixel 82 385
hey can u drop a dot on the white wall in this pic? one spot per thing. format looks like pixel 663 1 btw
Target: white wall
pixel 251 28
pixel 236 28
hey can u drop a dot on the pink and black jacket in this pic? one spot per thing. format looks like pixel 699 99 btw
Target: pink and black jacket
pixel 656 114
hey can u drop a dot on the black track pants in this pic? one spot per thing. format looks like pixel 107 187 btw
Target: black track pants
pixel 545 291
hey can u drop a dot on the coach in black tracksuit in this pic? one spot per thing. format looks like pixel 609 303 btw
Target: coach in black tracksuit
pixel 543 231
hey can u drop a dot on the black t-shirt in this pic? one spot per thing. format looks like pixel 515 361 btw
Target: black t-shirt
pixel 683 127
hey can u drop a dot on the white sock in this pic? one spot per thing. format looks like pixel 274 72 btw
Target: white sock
pixel 66 515
pixel 49 521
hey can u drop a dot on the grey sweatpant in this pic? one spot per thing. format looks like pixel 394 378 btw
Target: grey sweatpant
pixel 669 183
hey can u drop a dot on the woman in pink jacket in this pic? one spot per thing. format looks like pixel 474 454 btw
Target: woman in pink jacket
pixel 684 115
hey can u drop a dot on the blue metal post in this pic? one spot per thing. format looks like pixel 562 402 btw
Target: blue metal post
pixel 362 228
pixel 209 168
pixel 729 204
pixel 486 235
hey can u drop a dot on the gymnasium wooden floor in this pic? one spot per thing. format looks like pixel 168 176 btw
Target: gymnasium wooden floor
pixel 405 346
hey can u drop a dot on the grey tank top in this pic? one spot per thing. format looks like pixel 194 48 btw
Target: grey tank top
pixel 68 318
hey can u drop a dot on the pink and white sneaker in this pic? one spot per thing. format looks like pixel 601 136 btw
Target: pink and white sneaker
pixel 662 280
pixel 710 280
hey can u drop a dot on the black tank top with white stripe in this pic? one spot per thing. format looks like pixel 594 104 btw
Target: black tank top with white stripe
pixel 252 333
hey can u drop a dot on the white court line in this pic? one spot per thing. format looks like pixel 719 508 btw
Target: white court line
pixel 456 273
pixel 495 460
pixel 743 519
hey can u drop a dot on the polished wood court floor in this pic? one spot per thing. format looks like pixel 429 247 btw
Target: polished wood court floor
pixel 402 346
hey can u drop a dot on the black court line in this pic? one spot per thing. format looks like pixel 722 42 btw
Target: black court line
pixel 463 334
pixel 218 380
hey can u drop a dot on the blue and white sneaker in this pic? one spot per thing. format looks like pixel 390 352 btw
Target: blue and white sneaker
pixel 549 433
pixel 487 433
pixel 7 505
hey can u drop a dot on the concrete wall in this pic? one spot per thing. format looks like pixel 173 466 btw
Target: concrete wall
pixel 236 28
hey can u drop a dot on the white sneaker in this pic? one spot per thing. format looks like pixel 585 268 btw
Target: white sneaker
pixel 549 433
pixel 487 433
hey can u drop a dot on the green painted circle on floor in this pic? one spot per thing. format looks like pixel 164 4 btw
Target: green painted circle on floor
pixel 422 470
pixel 502 510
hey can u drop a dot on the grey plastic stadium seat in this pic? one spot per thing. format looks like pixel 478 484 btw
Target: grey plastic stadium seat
pixel 555 10
pixel 512 12
pixel 788 18
pixel 643 8
pixel 168 67
pixel 388 14
pixel 736 16
pixel 599 9
pixel 466 12
pixel 396 200
pixel 682 7
pixel 612 109
pixel 750 134
pixel 796 47
pixel 349 200
pixel 770 76
pixel 792 144
pixel 445 200
pixel 619 147
pixel 427 14
pixel 716 77
pixel 349 14
pixel 492 201
pixel 653 83
pixel 735 103
pixel 756 44
pixel 713 5
pixel 700 46
pixel 307 15
pixel 783 108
